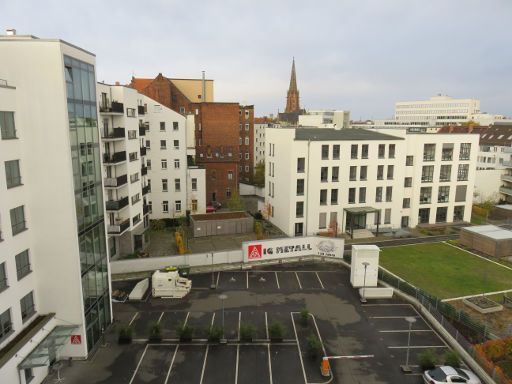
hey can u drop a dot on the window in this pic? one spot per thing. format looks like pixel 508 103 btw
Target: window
pixel 18 223
pixel 458 213
pixel 334 196
pixel 323 197
pixel 391 151
pixel 353 151
pixel 380 172
pixel 132 134
pixel 299 227
pixel 22 264
pixel 177 185
pixel 230 175
pixel 177 205
pixel 325 152
pixel 246 140
pixel 425 195
pixel 427 173
pixel 176 163
pixel 351 195
pixel 362 195
pixel 246 127
pixel 335 173
pixel 408 182
pixel 182 110
pixel 446 171
pixel 364 151
pixel 164 185
pixel 29 375
pixel 300 187
pixel 194 205
pixel 175 126
pixel 324 174
pixel 299 209
pixel 424 215
pixel 163 144
pixel 162 126
pixel 165 206
pixel 352 173
pixel 378 194
pixel 406 203
pixel 176 144
pixel 301 164
pixel 460 193
pixel 3 280
pixel 443 194
pixel 465 151
pixel 164 163
pixel 12 173
pixel 336 152
pixel 7 128
pixel 194 184
pixel 409 161
pixel 246 155
pixel 363 172
pixel 148 144
pixel 130 112
pixel 429 152
pixel 462 172
pixel 27 306
pixel 387 216
pixel 134 178
pixel 239 141
pixel 5 324
pixel 322 220
pixel 377 217
pixel 389 194
pixel 441 214
pixel 382 151
pixel 391 169
pixel 150 206
pixel 447 153
pixel 132 156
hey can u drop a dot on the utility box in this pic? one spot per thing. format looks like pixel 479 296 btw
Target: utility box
pixel 362 254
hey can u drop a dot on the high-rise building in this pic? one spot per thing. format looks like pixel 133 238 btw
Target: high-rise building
pixel 54 271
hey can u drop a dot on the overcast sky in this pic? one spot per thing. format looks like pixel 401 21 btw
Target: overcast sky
pixel 360 55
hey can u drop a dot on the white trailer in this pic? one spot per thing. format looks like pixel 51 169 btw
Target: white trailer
pixel 169 284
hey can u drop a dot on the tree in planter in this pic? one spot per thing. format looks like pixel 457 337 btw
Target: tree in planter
pixel 428 359
pixel 452 359
pixel 247 332
pixel 157 225
pixel 314 347
pixel 276 331
pixel 214 333
pixel 304 316
pixel 155 332
pixel 185 332
pixel 125 335
pixel 235 203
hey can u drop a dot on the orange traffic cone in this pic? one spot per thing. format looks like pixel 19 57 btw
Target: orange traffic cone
pixel 324 368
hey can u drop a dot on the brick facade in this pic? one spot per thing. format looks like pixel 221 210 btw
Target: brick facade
pixel 246 141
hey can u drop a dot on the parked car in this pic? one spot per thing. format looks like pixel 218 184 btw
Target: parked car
pixel 447 374
pixel 210 209
pixel 216 204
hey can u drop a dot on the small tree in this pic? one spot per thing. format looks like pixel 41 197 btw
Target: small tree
pixel 155 332
pixel 235 203
pixel 452 358
pixel 428 359
pixel 314 347
pixel 157 225
pixel 259 174
pixel 276 331
pixel 125 335
pixel 258 230
pixel 304 316
pixel 214 333
pixel 247 332
pixel 185 332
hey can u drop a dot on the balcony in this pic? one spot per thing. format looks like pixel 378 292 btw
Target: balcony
pixel 116 158
pixel 143 151
pixel 115 182
pixel 140 110
pixel 144 171
pixel 119 228
pixel 116 205
pixel 114 134
pixel 142 131
pixel 506 191
pixel 112 108
pixel 507 150
pixel 145 209
pixel 507 164
pixel 146 190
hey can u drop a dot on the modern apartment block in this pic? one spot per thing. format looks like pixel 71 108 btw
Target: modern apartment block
pixel 54 272
pixel 260 124
pixel 356 179
pixel 246 141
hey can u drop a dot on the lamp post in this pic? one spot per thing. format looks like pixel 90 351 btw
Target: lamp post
pixel 406 368
pixel 212 286
pixel 363 298
pixel 223 297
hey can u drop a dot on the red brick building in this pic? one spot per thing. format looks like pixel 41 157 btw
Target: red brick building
pixel 246 141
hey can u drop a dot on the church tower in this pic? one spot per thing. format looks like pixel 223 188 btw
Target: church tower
pixel 292 98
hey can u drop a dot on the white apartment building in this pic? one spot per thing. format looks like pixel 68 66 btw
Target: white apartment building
pixel 260 124
pixel 349 179
pixel 325 119
pixel 54 272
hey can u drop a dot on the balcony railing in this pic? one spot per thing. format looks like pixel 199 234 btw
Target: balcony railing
pixel 117 157
pixel 140 110
pixel 113 107
pixel 116 205
pixel 144 171
pixel 506 191
pixel 145 209
pixel 115 181
pixel 119 228
pixel 143 151
pixel 146 190
pixel 116 133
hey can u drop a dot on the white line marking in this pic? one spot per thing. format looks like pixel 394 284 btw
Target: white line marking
pixel 319 280
pixel 239 321
pixel 298 280
pixel 387 305
pixel 318 333
pixel 266 324
pixel 138 365
pixel 298 347
pixel 204 363
pixel 406 331
pixel 277 281
pixel 160 318
pixel 428 325
pixel 217 283
pixel 247 279
pixel 391 317
pixel 133 318
pixel 186 318
pixel 469 296
pixel 213 318
pixel 269 364
pixel 236 366
pixel 172 362
pixel 481 257
pixel 419 346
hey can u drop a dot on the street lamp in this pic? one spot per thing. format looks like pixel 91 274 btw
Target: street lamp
pixel 406 368
pixel 363 298
pixel 223 297
pixel 213 286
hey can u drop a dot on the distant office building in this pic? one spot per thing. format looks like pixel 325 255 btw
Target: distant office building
pixel 260 124
pixel 325 119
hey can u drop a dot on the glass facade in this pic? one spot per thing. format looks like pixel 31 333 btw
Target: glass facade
pixel 85 153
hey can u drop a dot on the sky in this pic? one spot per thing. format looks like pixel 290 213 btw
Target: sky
pixel 356 55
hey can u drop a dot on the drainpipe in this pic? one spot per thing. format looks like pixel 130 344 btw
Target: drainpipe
pixel 304 233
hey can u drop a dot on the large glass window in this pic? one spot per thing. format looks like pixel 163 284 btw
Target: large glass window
pixel 334 196
pixel 323 196
pixel 423 215
pixel 325 152
pixel 443 194
pixel 353 173
pixel 429 152
pixel 380 172
pixel 353 151
pixel 462 172
pixel 382 151
pixel 23 267
pixel 351 195
pixel 363 172
pixel 425 195
pixel 390 174
pixel 465 151
pixel 301 164
pixel 458 213
pixel 299 209
pixel 3 277
pixel 322 220
pixel 7 128
pixel 5 324
pixel 427 174
pixel 441 214
pixel 362 194
pixel 447 153
pixel 324 174
pixel 378 194
pixel 335 173
pixel 300 187
pixel 18 223
pixel 336 152
pixel 364 151
pixel 446 171
pixel 27 306
pixel 389 194
pixel 12 173
pixel 460 193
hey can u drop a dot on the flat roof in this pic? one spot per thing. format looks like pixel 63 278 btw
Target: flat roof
pixel 324 134
pixel 491 231
pixel 220 216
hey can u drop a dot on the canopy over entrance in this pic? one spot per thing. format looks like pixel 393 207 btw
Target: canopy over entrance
pixel 356 218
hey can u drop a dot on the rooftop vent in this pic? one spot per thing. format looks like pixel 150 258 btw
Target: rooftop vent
pixel 10 32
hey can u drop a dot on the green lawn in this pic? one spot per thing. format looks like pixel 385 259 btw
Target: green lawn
pixel 445 271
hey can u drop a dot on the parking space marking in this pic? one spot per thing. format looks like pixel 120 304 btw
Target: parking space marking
pixel 247 279
pixel 392 317
pixel 298 347
pixel 138 365
pixel 407 330
pixel 172 362
pixel 428 325
pixel 266 325
pixel 418 346
pixel 277 281
pixel 186 319
pixel 319 280
pixel 236 366
pixel 213 318
pixel 239 321
pixel 217 283
pixel 269 362
pixel 298 280
pixel 205 357
pixel 160 318
pixel 133 318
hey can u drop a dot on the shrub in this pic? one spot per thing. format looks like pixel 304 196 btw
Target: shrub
pixel 304 316
pixel 125 335
pixel 276 330
pixel 258 216
pixel 452 358
pixel 428 359
pixel 247 332
pixel 314 347
pixel 185 332
pixel 214 333
pixel 155 332
pixel 157 225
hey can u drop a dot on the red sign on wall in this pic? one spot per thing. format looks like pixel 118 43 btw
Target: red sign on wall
pixel 254 252
pixel 76 339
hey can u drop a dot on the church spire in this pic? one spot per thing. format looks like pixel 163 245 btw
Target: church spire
pixel 293 78
pixel 292 98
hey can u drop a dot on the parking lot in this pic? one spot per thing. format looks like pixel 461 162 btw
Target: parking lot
pixel 262 297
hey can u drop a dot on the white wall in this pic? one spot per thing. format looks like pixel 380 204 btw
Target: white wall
pixel 487 185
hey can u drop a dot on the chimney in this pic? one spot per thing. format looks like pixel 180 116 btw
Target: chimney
pixel 10 32
pixel 117 83
pixel 203 89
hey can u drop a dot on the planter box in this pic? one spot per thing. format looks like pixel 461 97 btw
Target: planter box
pixel 482 304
